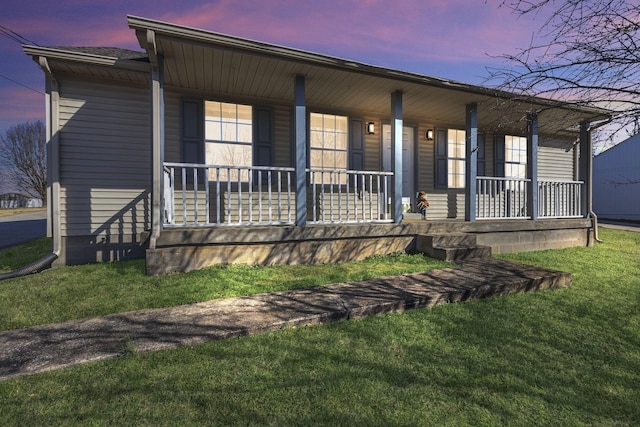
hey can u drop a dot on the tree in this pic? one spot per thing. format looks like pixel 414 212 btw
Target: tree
pixel 586 52
pixel 22 150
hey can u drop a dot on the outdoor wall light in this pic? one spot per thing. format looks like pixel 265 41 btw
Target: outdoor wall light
pixel 429 135
pixel 371 128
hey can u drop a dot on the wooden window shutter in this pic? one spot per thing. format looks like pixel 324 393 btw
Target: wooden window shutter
pixel 356 144
pixel 481 155
pixel 499 155
pixel 192 131
pixel 263 137
pixel 441 159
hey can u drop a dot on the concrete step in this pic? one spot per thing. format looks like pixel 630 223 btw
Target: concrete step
pixel 446 240
pixel 458 253
pixel 451 246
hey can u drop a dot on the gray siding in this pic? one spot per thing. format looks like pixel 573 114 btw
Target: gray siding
pixel 554 161
pixel 105 160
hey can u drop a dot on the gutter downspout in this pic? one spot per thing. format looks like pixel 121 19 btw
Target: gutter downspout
pixel 590 171
pixel 52 107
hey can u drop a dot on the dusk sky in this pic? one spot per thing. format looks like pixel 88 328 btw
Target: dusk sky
pixel 453 39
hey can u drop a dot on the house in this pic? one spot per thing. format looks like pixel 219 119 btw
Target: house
pixel 207 148
pixel 616 181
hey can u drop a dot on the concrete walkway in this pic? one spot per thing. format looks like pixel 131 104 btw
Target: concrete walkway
pixel 54 346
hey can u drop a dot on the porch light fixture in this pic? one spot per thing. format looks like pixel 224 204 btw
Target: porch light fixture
pixel 371 128
pixel 429 135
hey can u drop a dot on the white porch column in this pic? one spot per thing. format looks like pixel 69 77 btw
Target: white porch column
pixel 532 165
pixel 396 155
pixel 300 140
pixel 471 164
pixel 157 146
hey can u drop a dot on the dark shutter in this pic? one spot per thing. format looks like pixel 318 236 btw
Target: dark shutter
pixel 442 180
pixel 192 131
pixel 481 155
pixel 356 145
pixel 263 137
pixel 499 155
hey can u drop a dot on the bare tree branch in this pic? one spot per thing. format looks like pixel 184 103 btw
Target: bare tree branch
pixel 23 152
pixel 585 53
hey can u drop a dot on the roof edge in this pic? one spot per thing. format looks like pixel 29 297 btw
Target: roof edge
pixel 233 42
pixel 84 57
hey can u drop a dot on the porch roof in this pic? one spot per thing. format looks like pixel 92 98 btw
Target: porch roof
pixel 226 66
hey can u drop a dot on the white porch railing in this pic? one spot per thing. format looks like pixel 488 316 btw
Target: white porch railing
pixel 347 196
pixel 501 198
pixel 560 199
pixel 506 198
pixel 206 195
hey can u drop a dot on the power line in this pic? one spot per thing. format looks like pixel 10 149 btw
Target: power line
pixel 18 83
pixel 12 35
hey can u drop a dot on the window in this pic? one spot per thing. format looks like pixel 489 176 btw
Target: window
pixel 456 140
pixel 228 133
pixel 328 143
pixel 515 156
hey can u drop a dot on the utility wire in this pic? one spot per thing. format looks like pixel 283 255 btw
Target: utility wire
pixel 25 86
pixel 12 35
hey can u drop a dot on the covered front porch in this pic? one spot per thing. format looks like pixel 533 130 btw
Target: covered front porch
pixel 281 200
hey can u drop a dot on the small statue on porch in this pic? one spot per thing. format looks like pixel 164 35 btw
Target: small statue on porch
pixel 422 204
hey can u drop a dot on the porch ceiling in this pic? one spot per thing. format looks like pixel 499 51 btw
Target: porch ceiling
pixel 222 66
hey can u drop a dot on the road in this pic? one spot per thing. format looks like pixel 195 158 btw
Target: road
pixel 22 228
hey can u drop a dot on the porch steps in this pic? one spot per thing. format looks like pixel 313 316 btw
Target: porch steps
pixel 451 246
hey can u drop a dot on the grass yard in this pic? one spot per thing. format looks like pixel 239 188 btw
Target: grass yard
pixel 565 357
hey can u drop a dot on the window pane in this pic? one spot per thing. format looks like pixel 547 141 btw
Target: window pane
pixel 328 159
pixel 341 141
pixel 316 138
pixel 229 132
pixel 329 140
pixel 245 113
pixel 341 160
pixel 329 123
pixel 229 112
pixel 245 133
pixel 316 121
pixel 341 124
pixel 212 131
pixel 212 110
pixel 316 159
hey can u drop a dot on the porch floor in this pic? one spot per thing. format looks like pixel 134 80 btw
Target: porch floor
pixel 47 347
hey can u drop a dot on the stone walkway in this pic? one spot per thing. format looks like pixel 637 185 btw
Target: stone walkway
pixel 46 347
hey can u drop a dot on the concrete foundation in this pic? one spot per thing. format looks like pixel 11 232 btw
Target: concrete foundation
pixel 186 249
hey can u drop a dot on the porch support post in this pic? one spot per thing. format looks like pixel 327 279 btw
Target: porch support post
pixel 532 164
pixel 396 155
pixel 157 138
pixel 300 119
pixel 585 168
pixel 471 167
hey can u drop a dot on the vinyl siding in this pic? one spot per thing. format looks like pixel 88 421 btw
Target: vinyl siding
pixel 104 158
pixel 554 161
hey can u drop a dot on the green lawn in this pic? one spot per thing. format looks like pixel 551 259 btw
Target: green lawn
pixel 565 357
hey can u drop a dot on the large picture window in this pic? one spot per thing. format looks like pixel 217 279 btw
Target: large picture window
pixel 456 140
pixel 228 132
pixel 328 143
pixel 515 156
